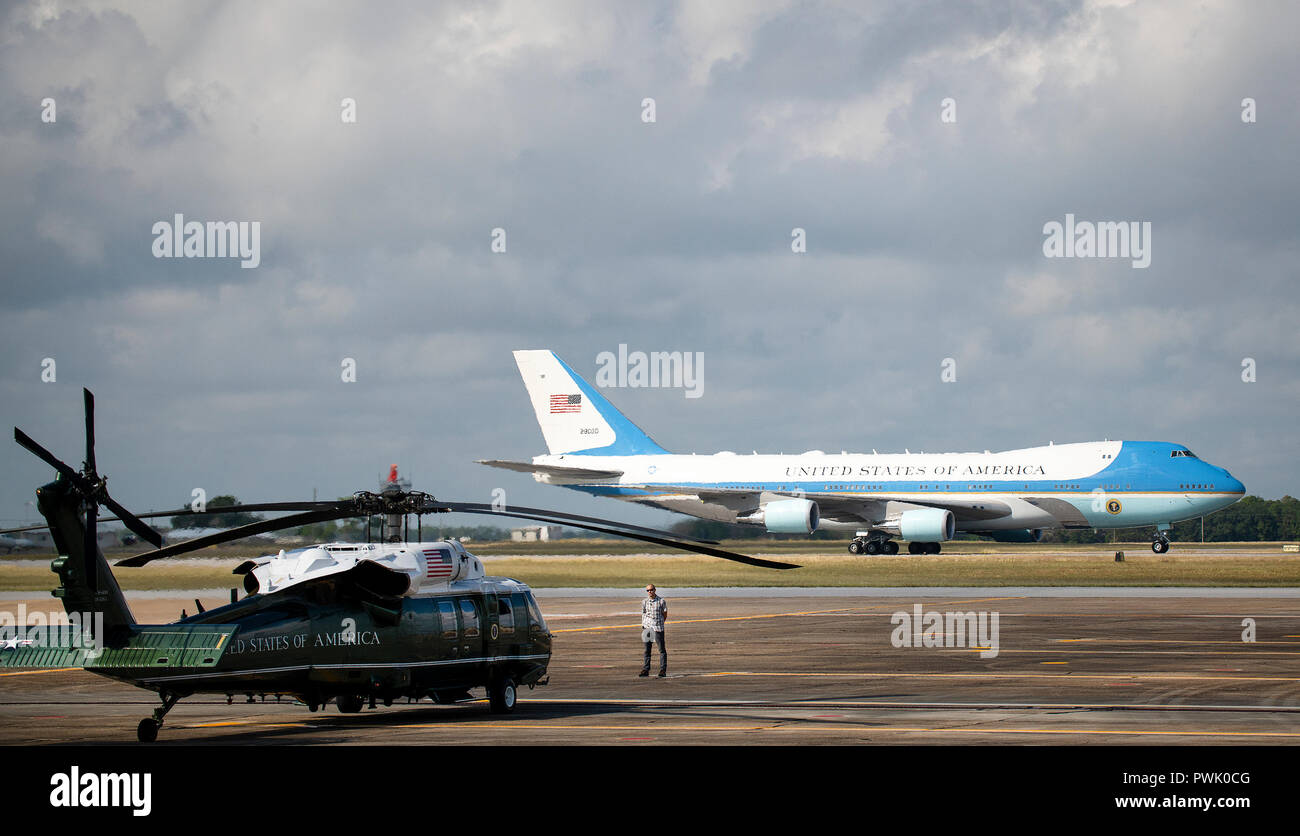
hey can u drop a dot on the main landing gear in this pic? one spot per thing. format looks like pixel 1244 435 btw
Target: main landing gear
pixel 874 546
pixel 147 731
pixel 863 545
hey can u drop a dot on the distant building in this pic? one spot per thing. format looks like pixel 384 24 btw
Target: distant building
pixel 534 533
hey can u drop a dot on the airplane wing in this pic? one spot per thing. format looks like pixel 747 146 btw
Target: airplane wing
pixel 553 473
pixel 725 504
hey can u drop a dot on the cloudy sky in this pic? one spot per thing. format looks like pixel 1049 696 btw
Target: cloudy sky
pixel 924 232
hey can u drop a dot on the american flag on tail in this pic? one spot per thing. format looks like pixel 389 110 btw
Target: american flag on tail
pixel 566 403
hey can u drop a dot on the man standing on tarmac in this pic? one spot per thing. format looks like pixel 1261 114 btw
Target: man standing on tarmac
pixel 654 615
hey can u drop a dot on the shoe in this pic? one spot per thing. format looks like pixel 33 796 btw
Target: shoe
pixel 663 673
pixel 644 673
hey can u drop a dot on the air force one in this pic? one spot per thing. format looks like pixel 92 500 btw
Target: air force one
pixel 925 499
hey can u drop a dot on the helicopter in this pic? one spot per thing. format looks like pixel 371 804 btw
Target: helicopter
pixel 352 623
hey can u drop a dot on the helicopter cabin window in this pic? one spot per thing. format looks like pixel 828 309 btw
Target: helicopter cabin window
pixel 469 614
pixel 447 615
pixel 505 616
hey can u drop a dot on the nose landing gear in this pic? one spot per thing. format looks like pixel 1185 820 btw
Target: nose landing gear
pixel 1160 543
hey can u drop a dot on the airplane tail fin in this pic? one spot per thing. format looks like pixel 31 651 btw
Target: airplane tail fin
pixel 575 418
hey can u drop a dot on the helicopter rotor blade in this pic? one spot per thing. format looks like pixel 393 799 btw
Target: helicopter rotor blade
pixel 216 509
pixel 181 512
pixel 472 507
pixel 664 538
pixel 23 529
pixel 250 507
pixel 90 429
pixel 336 512
pixel 131 521
pixel 46 456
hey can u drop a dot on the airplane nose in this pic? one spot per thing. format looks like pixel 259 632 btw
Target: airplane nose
pixel 1232 484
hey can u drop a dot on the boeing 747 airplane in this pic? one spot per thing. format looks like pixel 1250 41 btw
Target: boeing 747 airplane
pixel 925 499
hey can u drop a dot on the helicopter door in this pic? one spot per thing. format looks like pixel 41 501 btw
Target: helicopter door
pixel 509 617
pixel 420 626
pixel 491 627
pixel 448 629
pixel 471 638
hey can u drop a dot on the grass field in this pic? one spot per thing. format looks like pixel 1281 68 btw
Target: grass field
pixel 823 564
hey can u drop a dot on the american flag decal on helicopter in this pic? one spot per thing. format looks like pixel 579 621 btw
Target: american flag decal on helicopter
pixel 437 564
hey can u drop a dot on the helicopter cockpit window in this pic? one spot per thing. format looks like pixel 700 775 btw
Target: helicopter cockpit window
pixel 447 615
pixel 535 615
pixel 469 614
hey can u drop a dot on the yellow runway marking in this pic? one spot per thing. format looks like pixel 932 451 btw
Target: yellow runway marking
pixel 536 726
pixel 1156 676
pixel 1058 650
pixel 1177 641
pixel 46 670
pixel 221 723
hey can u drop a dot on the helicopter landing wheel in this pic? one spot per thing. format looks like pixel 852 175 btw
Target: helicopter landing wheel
pixel 147 731
pixel 502 695
pixel 349 703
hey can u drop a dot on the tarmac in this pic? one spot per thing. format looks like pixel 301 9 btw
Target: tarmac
pixel 794 668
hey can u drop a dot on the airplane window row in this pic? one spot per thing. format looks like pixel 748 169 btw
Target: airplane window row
pixel 1201 486
pixel 858 487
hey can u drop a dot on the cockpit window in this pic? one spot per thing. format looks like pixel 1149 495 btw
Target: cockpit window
pixel 535 614
pixel 1174 454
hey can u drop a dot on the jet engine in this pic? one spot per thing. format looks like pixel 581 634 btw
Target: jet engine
pixel 927 525
pixel 787 516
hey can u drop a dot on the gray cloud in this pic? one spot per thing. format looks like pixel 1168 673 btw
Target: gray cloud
pixel 924 238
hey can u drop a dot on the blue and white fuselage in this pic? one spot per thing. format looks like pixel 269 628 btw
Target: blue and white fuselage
pixel 925 497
